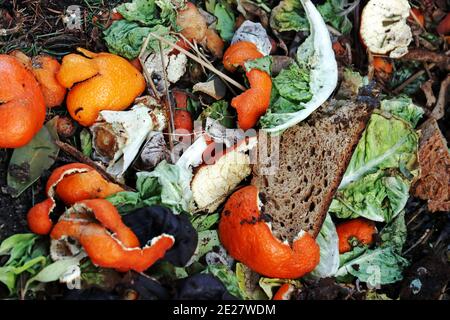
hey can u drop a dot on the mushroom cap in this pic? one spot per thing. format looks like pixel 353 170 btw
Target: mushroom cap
pixel 247 237
pixel 22 107
pixel 98 81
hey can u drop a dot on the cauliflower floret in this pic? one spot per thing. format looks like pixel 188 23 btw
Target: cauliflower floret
pixel 384 28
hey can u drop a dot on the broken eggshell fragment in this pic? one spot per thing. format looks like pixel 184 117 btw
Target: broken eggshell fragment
pixel 255 33
pixel 117 136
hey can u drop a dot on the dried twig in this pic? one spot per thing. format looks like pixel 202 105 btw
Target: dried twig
pixel 206 61
pixel 200 61
pixel 439 109
pixel 422 239
pixel 168 101
pixel 79 156
pixel 412 79
pixel 424 55
pixel 147 75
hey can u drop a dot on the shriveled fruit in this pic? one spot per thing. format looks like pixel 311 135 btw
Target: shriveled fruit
pixel 355 232
pixel 98 81
pixel 22 107
pixel 247 237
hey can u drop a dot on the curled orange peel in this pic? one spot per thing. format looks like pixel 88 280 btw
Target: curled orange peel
pixel 70 183
pixel 45 69
pixel 359 229
pixel 98 81
pixel 284 292
pixel 108 242
pixel 249 239
pixel 252 103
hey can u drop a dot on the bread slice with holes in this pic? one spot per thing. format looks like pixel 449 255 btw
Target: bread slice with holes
pixel 297 188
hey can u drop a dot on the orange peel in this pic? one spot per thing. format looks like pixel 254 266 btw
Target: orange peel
pixel 45 69
pixel 70 183
pixel 98 81
pixel 108 242
pixel 249 239
pixel 359 229
pixel 22 106
pixel 252 103
pixel 284 292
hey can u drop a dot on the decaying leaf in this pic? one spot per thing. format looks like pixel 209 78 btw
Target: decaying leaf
pixel 29 162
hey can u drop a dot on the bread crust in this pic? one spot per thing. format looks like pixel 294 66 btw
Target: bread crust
pixel 328 139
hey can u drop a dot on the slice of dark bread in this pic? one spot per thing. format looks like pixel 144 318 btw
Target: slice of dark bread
pixel 312 160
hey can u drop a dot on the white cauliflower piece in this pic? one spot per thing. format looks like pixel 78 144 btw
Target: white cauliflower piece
pixel 213 183
pixel 384 28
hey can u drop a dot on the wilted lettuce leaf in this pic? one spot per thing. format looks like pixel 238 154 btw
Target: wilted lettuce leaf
pixel 227 277
pixel 220 111
pixel 54 270
pixel 207 241
pixel 331 12
pixel 377 196
pixel 126 38
pixel 403 107
pixel 86 142
pixel 376 183
pixel 142 11
pixel 167 185
pixel 290 89
pixel 263 64
pixel 328 242
pixel 316 55
pixel 248 281
pixel 376 267
pixel 290 16
pixel 225 21
pixel 204 222
pixel 382 265
pixel 151 12
pixel 23 257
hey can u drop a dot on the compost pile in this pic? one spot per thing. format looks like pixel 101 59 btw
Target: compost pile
pixel 134 161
